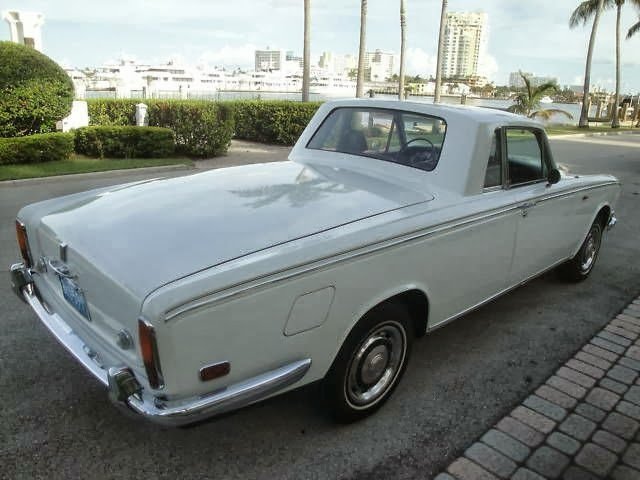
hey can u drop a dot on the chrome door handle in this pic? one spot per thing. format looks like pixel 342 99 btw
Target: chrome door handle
pixel 525 207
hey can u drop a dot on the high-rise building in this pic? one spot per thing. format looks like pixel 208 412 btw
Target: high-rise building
pixel 516 81
pixel 25 28
pixel 266 60
pixel 294 59
pixel 465 44
pixel 338 63
pixel 378 65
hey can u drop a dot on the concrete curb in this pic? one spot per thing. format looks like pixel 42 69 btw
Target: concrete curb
pixel 594 134
pixel 583 423
pixel 107 173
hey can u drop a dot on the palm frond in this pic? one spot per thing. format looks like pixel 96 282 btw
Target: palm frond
pixel 633 30
pixel 548 112
pixel 542 90
pixel 583 13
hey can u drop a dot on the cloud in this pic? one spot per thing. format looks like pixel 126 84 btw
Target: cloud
pixel 420 62
pixel 241 56
pixel 488 67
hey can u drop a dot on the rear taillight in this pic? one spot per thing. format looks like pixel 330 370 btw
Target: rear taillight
pixel 150 357
pixel 23 242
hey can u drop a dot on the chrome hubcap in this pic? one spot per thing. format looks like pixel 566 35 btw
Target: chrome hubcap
pixel 590 251
pixel 375 365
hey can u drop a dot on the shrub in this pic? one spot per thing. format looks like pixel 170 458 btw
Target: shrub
pixel 124 142
pixel 202 128
pixel 45 147
pixel 34 91
pixel 277 121
pixel 112 112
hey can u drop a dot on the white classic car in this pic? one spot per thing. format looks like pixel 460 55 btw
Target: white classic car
pixel 192 296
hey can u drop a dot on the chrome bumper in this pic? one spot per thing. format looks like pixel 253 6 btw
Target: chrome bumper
pixel 125 390
pixel 612 220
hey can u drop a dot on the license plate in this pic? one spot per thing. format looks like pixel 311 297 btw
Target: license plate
pixel 74 295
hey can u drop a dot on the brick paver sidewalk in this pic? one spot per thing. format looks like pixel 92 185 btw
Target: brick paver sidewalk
pixel 582 424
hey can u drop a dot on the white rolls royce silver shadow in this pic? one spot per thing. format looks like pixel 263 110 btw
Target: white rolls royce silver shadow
pixel 191 296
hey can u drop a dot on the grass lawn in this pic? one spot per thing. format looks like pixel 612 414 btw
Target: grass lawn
pixel 572 129
pixel 80 164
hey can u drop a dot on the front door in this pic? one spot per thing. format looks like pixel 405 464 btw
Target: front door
pixel 546 218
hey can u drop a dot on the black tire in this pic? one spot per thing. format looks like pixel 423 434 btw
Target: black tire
pixel 370 363
pixel 580 266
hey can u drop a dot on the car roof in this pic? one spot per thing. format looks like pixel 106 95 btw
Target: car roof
pixel 485 115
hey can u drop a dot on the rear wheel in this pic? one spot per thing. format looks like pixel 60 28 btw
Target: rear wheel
pixel 370 363
pixel 580 266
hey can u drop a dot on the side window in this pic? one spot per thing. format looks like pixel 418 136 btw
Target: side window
pixel 524 157
pixel 493 176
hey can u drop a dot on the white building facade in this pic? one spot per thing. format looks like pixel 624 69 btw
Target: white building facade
pixel 25 28
pixel 379 65
pixel 465 44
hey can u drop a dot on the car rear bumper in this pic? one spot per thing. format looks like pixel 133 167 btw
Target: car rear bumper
pixel 127 392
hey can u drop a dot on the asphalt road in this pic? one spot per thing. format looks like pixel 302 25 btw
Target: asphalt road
pixel 56 421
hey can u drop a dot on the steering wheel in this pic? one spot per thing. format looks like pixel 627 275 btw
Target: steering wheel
pixel 424 154
pixel 417 139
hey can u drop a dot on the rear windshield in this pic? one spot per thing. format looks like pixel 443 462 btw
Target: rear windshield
pixel 407 138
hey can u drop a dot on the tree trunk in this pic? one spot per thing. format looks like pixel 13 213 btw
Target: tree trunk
pixel 443 21
pixel 403 38
pixel 306 53
pixel 584 113
pixel 361 50
pixel 615 119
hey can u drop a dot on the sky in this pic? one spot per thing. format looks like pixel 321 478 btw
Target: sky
pixel 532 36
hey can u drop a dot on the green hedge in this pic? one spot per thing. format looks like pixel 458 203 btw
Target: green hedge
pixel 124 142
pixel 110 112
pixel 44 147
pixel 202 128
pixel 278 121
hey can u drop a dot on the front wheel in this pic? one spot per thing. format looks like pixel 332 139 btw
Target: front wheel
pixel 370 363
pixel 580 266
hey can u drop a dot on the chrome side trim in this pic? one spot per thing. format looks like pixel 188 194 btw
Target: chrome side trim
pixel 340 257
pixel 235 396
pixel 493 297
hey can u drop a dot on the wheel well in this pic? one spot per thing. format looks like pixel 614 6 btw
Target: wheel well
pixel 603 216
pixel 417 305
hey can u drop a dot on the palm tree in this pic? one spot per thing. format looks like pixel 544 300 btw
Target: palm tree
pixel 362 48
pixel 443 22
pixel 578 17
pixel 528 102
pixel 306 54
pixel 583 13
pixel 403 39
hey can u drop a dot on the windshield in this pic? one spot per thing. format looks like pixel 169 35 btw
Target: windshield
pixel 411 139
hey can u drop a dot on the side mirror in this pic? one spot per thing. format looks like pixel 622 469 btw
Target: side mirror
pixel 554 176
